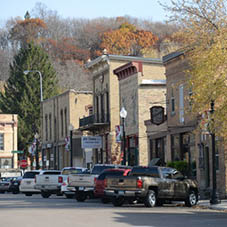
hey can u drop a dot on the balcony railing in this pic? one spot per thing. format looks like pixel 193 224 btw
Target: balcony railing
pixel 94 119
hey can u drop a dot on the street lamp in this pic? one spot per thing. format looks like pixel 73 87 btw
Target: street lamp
pixel 41 93
pixel 37 150
pixel 214 198
pixel 71 144
pixel 123 115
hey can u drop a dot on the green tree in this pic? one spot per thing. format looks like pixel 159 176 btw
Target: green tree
pixel 204 34
pixel 21 94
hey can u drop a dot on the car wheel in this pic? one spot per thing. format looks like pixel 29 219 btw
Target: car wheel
pixel 150 199
pixel 28 194
pixel 45 194
pixel 69 196
pixel 118 201
pixel 191 199
pixel 80 196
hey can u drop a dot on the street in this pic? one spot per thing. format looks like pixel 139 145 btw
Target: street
pixel 57 211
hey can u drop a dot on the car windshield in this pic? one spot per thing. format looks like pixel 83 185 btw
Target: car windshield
pixel 99 169
pixel 71 171
pixel 29 175
pixel 102 176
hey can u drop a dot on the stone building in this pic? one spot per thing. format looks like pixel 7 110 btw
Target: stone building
pixel 106 103
pixel 8 141
pixel 141 86
pixel 61 116
pixel 184 140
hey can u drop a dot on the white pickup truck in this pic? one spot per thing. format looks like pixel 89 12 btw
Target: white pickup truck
pixel 83 184
pixel 48 182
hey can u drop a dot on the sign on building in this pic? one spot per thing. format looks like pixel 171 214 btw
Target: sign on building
pixel 91 142
pixel 157 115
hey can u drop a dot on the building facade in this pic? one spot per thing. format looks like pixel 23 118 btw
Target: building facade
pixel 60 121
pixel 8 141
pixel 105 121
pixel 141 86
pixel 185 140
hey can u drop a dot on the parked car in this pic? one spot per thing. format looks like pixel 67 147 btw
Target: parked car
pixel 27 185
pixel 15 184
pixel 49 182
pixel 100 182
pixel 152 186
pixel 83 184
pixel 5 183
pixel 64 179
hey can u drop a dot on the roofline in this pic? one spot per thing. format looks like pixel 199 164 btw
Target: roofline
pixel 172 55
pixel 107 57
pixel 68 91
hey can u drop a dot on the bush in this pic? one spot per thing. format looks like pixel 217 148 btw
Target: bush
pixel 181 166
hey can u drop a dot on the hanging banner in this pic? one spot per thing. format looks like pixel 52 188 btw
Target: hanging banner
pixel 118 131
pixel 91 142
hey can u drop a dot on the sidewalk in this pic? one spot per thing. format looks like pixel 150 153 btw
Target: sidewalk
pixel 206 204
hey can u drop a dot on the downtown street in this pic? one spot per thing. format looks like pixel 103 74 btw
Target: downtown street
pixel 57 211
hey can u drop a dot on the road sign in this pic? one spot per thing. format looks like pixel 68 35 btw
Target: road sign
pixel 17 152
pixel 23 163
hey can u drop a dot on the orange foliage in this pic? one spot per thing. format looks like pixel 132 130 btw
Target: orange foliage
pixel 127 40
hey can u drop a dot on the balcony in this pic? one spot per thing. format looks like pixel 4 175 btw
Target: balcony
pixel 94 122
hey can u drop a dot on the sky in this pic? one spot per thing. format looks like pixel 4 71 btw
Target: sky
pixel 89 9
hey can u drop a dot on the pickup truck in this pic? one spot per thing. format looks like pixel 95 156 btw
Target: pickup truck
pixel 83 184
pixel 48 182
pixel 151 186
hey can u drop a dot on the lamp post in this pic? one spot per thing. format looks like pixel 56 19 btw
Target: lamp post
pixel 71 144
pixel 37 150
pixel 214 198
pixel 41 95
pixel 123 115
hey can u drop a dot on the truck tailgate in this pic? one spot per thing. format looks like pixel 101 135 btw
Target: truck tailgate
pixel 123 183
pixel 47 179
pixel 77 180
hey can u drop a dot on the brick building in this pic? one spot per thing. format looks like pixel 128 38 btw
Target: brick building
pixel 8 141
pixel 141 86
pixel 61 116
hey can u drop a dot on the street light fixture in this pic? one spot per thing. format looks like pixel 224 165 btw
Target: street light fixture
pixel 123 115
pixel 214 197
pixel 71 144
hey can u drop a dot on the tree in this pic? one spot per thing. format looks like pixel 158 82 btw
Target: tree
pixel 128 40
pixel 21 93
pixel 204 35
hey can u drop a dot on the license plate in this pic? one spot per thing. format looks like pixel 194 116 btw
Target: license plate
pixel 28 182
pixel 81 188
pixel 121 192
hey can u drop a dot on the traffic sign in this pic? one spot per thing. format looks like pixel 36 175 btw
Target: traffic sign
pixel 17 152
pixel 23 163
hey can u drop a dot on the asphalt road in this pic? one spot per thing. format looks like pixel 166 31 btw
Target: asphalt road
pixel 21 211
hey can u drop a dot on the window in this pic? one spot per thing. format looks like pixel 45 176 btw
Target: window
pixel 50 118
pixel 1 141
pixel 66 125
pixel 107 107
pixel 102 108
pixel 181 103
pixel 46 126
pixel 5 163
pixel 172 102
pixel 97 108
pixel 62 123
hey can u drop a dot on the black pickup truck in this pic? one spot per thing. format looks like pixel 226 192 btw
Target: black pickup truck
pixel 152 186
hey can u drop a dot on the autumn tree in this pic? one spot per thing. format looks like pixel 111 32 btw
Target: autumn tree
pixel 21 94
pixel 204 33
pixel 128 40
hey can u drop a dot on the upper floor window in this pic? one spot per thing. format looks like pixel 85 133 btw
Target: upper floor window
pixel 181 103
pixel 46 126
pixel 1 141
pixel 50 122
pixel 172 102
pixel 66 125
pixel 62 123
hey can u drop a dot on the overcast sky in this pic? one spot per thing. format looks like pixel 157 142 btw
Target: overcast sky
pixel 144 9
